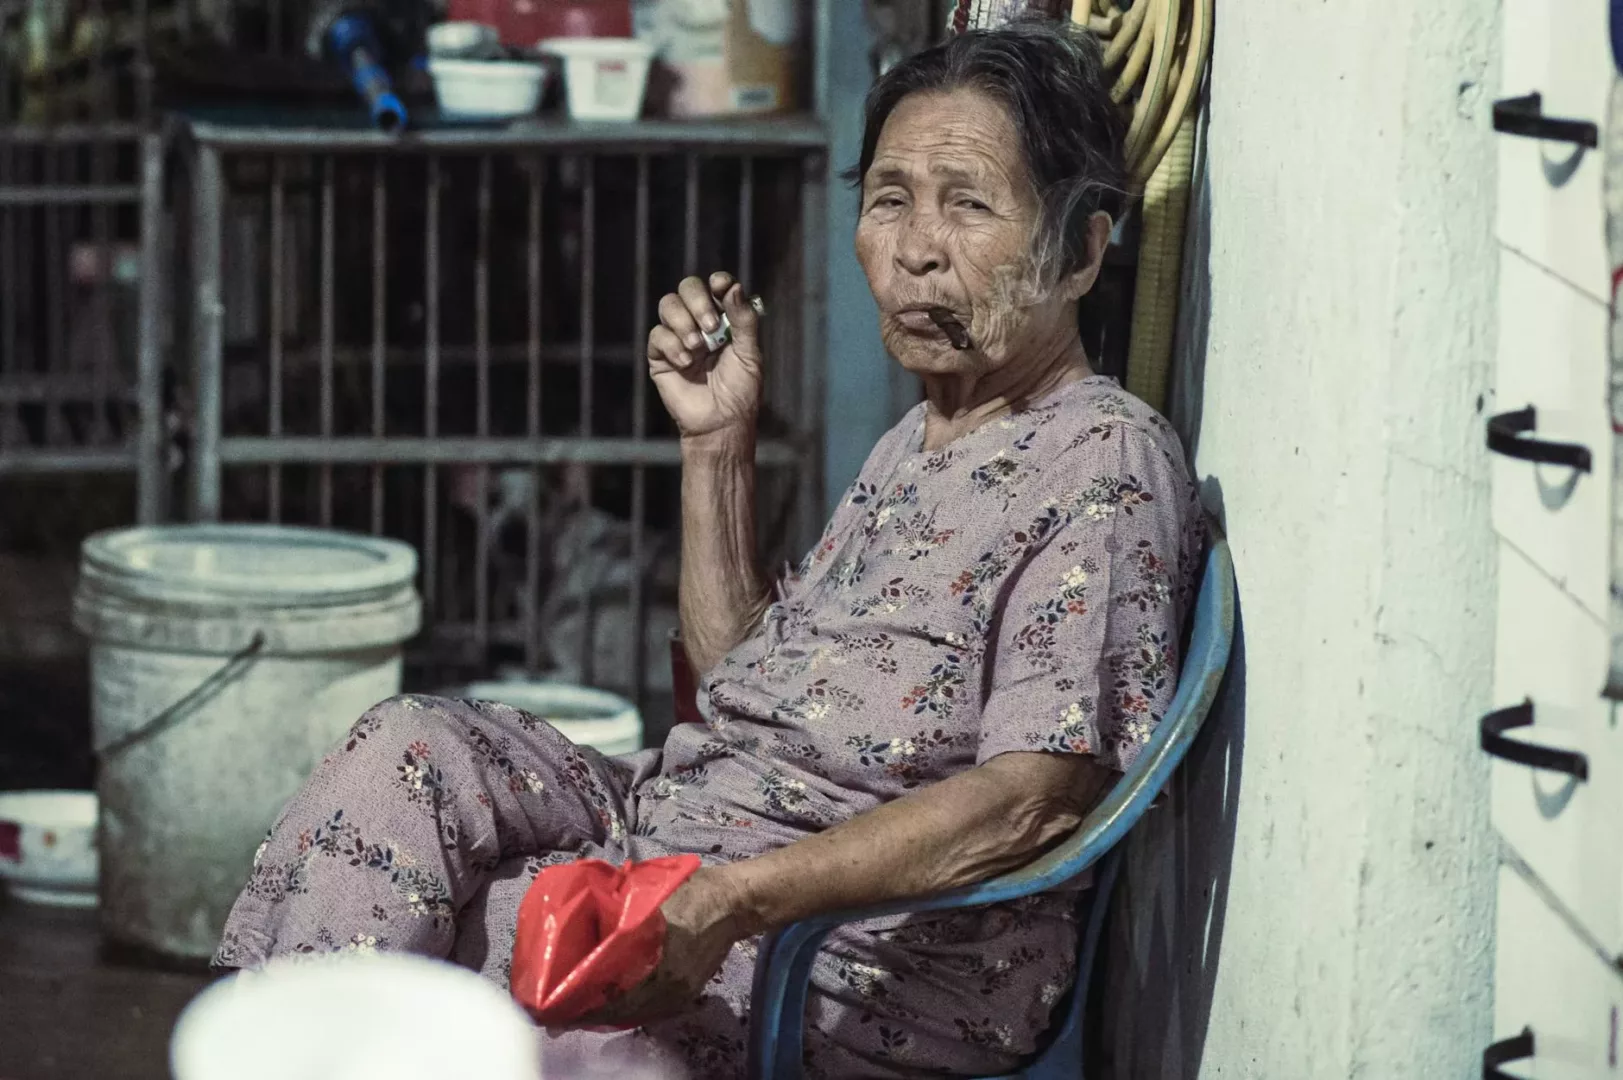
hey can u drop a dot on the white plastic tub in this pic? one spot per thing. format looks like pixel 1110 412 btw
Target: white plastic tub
pixel 604 78
pixel 48 846
pixel 606 722
pixel 486 90
pixel 355 1016
pixel 225 660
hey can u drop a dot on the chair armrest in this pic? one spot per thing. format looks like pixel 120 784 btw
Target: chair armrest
pixel 784 962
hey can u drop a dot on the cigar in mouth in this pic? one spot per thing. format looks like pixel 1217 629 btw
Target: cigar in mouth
pixel 717 339
pixel 951 327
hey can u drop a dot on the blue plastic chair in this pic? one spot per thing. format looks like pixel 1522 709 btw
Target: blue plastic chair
pixel 783 967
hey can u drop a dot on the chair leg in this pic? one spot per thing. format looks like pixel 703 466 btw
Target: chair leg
pixel 1098 912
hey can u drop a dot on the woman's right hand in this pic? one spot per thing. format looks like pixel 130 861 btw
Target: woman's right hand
pixel 707 394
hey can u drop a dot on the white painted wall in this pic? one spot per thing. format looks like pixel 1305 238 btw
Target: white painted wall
pixel 1318 900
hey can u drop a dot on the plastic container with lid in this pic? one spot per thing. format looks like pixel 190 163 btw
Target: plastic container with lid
pixel 605 79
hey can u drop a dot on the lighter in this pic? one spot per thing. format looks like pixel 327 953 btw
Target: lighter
pixel 717 339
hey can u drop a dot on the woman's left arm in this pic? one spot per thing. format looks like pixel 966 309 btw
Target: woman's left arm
pixel 966 828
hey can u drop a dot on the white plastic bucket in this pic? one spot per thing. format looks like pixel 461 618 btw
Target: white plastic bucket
pixel 225 661
pixel 355 1017
pixel 604 78
pixel 48 847
pixel 606 722
pixel 486 89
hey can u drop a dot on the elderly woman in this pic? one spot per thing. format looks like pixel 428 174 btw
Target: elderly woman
pixel 986 634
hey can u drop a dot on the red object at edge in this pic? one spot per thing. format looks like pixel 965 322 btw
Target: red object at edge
pixel 684 684
pixel 523 23
pixel 589 931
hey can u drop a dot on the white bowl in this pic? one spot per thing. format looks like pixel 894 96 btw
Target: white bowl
pixel 48 846
pixel 466 40
pixel 606 722
pixel 604 78
pixel 486 89
pixel 355 1016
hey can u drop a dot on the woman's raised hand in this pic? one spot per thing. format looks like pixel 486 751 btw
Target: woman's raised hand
pixel 704 393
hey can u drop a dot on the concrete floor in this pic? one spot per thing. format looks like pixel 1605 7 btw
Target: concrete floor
pixel 67 1014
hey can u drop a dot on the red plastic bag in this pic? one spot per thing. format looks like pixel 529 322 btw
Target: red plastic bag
pixel 589 931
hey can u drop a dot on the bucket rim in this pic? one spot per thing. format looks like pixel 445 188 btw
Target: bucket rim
pixel 107 565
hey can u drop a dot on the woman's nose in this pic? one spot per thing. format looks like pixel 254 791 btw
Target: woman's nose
pixel 920 251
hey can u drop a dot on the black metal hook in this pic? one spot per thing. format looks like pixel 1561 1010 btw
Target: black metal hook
pixel 1505 433
pixel 1503 1052
pixel 1524 116
pixel 1491 731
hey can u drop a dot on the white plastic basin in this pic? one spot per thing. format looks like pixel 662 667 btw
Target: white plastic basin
pixel 585 716
pixel 48 846
pixel 486 89
pixel 355 1017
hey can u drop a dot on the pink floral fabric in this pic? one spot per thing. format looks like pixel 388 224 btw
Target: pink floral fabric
pixel 1020 590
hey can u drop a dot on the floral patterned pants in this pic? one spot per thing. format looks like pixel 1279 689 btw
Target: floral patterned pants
pixel 421 833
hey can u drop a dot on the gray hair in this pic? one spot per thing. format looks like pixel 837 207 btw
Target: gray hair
pixel 1051 78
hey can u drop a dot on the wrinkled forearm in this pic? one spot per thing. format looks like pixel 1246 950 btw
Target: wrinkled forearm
pixel 962 830
pixel 722 593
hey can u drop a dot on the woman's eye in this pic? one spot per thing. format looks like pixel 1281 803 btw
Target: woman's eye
pixel 887 202
pixel 972 204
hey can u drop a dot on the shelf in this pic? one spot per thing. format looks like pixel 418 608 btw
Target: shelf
pixel 345 130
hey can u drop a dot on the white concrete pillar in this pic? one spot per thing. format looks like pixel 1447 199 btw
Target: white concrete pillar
pixel 1317 900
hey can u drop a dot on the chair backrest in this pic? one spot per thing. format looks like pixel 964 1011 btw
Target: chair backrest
pixel 784 965
pixel 1205 660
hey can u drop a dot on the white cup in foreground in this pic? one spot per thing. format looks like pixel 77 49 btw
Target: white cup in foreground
pixel 355 1017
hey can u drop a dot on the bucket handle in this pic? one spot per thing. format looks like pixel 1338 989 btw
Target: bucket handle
pixel 182 708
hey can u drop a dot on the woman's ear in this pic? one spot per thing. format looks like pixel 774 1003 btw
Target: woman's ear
pixel 1081 280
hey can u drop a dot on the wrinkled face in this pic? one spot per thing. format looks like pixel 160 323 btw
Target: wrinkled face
pixel 948 216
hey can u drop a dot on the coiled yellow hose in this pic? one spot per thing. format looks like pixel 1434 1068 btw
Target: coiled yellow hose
pixel 1161 48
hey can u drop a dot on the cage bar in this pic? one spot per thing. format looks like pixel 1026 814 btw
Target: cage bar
pixel 208 343
pixel 530 604
pixel 328 289
pixel 278 286
pixel 56 313
pixel 481 330
pixel 150 465
pixel 11 298
pixel 431 373
pixel 380 329
pixel 638 675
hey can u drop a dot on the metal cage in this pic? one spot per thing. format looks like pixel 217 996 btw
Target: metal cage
pixel 441 339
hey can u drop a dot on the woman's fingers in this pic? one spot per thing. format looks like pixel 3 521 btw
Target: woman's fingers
pixel 674 313
pixel 665 347
pixel 700 304
pixel 720 283
pixel 742 315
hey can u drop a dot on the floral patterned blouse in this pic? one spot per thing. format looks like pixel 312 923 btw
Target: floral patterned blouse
pixel 1021 589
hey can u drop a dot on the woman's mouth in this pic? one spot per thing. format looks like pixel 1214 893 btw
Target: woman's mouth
pixel 926 316
pixel 936 322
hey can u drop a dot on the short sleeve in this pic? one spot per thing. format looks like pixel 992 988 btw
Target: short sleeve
pixel 876 469
pixel 1083 652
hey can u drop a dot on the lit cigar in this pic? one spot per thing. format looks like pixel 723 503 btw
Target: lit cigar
pixel 717 339
pixel 951 327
